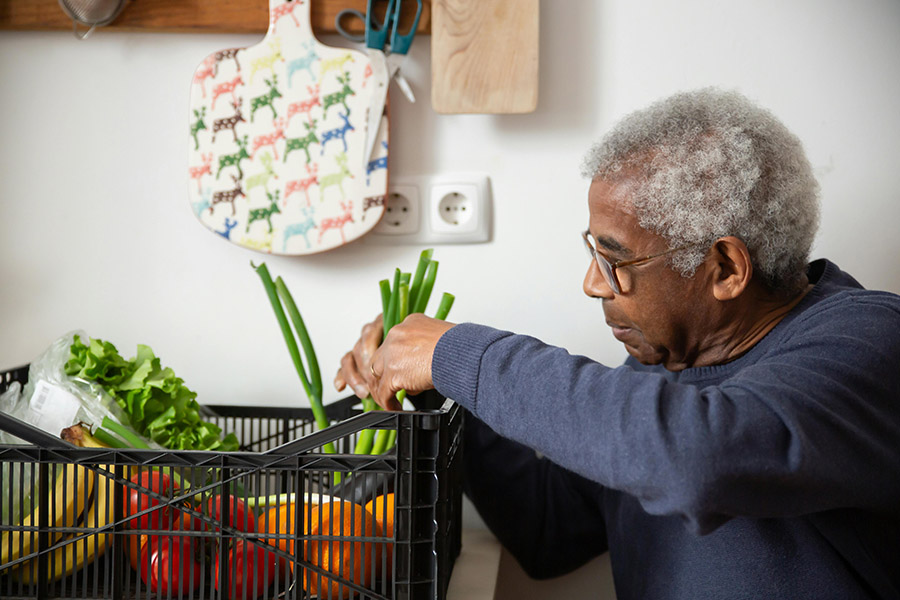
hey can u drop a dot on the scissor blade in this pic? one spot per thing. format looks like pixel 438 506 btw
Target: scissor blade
pixel 404 86
pixel 380 81
pixel 395 72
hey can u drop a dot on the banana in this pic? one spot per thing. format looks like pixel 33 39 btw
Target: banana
pixel 72 553
pixel 74 489
pixel 80 435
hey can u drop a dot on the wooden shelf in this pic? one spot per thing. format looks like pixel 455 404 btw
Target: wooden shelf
pixel 192 16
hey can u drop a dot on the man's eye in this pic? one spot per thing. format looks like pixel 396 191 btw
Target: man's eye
pixel 612 258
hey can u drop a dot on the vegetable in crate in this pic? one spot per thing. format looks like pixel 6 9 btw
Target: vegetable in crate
pixel 156 401
pixel 171 569
pixel 241 516
pixel 281 300
pixel 251 569
pixel 408 295
pixel 140 499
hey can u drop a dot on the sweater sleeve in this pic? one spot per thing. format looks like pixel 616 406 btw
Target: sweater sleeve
pixel 549 518
pixel 807 424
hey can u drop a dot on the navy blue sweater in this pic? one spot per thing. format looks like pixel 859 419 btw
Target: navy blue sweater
pixel 776 475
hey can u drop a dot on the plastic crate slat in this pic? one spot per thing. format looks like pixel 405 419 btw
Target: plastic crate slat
pixel 337 431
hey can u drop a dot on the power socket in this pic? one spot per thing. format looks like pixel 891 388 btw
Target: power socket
pixel 446 209
pixel 401 211
pixel 452 208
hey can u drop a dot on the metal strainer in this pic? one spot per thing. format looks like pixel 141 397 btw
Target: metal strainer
pixel 91 13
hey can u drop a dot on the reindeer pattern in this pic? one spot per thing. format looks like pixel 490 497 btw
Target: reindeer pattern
pixel 300 228
pixel 326 182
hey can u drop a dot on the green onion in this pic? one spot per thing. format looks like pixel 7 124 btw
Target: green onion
pixel 105 437
pixel 132 439
pixel 443 310
pixel 385 288
pixel 403 309
pixel 445 306
pixel 365 440
pixel 390 319
pixel 408 294
pixel 381 441
pixel 392 439
pixel 289 340
pixel 425 292
pixel 274 500
pixel 312 392
pixel 424 260
pixel 314 373
pixel 404 312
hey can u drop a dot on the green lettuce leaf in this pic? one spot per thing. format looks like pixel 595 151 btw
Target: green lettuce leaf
pixel 158 404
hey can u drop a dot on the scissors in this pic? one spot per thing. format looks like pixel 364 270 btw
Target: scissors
pixel 387 55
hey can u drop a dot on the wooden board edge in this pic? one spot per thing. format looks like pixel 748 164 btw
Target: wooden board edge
pixel 190 16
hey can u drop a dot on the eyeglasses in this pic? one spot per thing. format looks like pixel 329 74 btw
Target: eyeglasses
pixel 610 270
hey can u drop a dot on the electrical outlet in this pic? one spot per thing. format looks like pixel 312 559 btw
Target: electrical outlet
pixel 447 209
pixel 401 211
pixel 459 208
pixel 453 208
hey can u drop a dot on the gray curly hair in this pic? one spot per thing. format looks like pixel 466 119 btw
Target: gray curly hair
pixel 709 163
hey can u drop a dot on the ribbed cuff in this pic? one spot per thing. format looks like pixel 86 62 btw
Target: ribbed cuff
pixel 456 361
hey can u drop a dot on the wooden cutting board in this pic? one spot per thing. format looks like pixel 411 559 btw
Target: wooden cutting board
pixel 277 141
pixel 484 56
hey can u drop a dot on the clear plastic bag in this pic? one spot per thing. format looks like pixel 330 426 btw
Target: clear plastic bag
pixel 9 401
pixel 56 401
pixel 13 475
pixel 51 401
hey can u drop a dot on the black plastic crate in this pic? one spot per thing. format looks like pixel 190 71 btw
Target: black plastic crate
pixel 81 497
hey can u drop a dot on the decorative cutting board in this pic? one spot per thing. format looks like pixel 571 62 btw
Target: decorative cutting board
pixel 277 138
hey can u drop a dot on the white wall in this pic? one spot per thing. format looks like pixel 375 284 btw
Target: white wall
pixel 96 231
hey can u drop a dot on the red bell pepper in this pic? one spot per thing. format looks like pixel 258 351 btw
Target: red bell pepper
pixel 252 569
pixel 172 569
pixel 137 500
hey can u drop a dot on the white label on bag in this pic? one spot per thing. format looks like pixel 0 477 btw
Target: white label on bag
pixel 52 408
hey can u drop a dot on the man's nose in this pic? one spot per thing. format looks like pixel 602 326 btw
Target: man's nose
pixel 595 284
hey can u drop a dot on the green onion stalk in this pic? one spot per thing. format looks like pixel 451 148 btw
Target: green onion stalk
pixel 116 435
pixel 281 299
pixel 409 293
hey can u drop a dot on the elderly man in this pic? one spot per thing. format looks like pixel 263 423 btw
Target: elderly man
pixel 750 445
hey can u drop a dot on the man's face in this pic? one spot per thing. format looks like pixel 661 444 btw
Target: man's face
pixel 660 315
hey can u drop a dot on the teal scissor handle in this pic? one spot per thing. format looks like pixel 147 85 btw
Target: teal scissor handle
pixel 400 43
pixel 377 33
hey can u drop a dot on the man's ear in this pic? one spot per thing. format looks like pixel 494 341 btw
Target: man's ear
pixel 732 268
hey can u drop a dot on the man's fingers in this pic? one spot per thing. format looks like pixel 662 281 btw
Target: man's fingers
pixel 371 335
pixel 385 396
pixel 349 375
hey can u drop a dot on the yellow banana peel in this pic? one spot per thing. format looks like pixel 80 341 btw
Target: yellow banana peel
pixel 74 551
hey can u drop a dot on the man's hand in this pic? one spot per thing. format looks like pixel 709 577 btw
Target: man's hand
pixel 358 361
pixel 403 362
